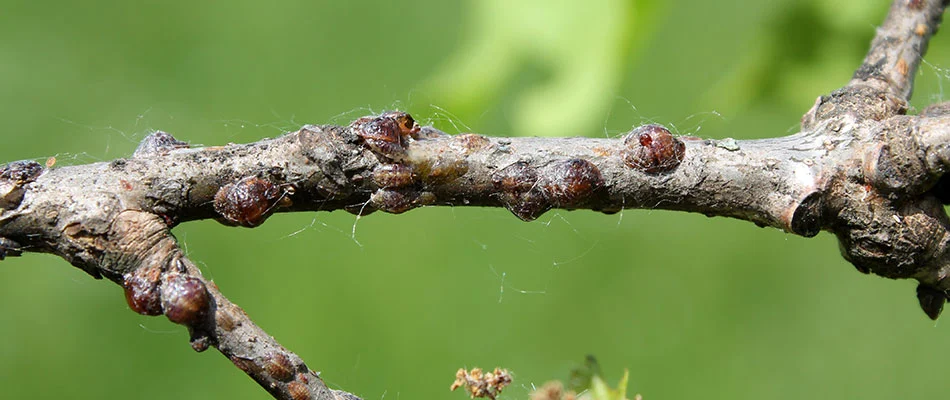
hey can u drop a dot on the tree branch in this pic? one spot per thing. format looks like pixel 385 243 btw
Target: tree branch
pixel 859 168
pixel 899 46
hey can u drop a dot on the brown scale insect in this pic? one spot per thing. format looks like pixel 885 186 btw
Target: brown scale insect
pixel 224 320
pixel 442 170
pixel 387 134
pixel 200 342
pixel 298 391
pixel 158 143
pixel 250 201
pixel 472 142
pixel 394 175
pixel 428 132
pixel 279 366
pixel 652 149
pixel 142 293
pixel 424 198
pixel 571 182
pixel 519 191
pixel 396 201
pixel 517 177
pixel 360 210
pixel 185 299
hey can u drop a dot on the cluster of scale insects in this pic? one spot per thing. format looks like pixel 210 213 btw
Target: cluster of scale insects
pixel 525 189
pixel 402 182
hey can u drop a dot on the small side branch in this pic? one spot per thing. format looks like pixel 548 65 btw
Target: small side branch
pixel 899 46
pixel 138 252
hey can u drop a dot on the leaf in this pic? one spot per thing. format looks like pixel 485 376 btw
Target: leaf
pixel 560 61
pixel 599 389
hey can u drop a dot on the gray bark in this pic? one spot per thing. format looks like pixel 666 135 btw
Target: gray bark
pixel 859 168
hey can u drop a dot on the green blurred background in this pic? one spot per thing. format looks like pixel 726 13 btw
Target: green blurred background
pixel 694 307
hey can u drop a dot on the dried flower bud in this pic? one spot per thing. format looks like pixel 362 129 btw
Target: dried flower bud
pixel 482 384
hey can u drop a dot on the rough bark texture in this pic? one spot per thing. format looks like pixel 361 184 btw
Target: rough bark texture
pixel 860 168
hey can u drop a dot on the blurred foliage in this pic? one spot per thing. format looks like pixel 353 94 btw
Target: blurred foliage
pixel 551 58
pixel 585 383
pixel 600 390
pixel 694 307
